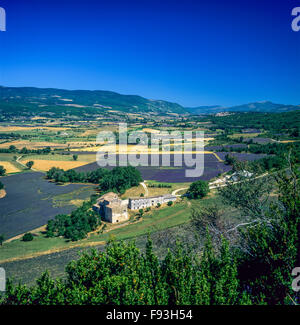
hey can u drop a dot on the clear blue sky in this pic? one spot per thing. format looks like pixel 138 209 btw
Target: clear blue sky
pixel 191 52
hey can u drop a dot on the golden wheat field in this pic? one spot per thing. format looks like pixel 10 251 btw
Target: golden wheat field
pixel 32 145
pixel 45 165
pixel 30 128
pixel 10 168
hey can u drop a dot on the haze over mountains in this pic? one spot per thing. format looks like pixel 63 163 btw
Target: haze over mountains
pixel 30 99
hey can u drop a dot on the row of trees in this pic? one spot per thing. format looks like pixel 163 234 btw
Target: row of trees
pixel 159 185
pixel 24 151
pixel 119 179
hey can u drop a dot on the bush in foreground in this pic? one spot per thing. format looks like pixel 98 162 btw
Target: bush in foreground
pixel 123 275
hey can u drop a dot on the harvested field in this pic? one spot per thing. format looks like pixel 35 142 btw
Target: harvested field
pixel 10 167
pixel 31 201
pixel 45 165
pixel 67 156
pixel 19 144
pixel 30 128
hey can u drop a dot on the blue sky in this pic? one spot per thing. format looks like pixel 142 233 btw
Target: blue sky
pixel 191 52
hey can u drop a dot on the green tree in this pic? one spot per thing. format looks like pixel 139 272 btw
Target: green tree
pixel 75 157
pixel 1 239
pixel 123 275
pixel 27 237
pixel 29 164
pixel 198 190
pixel 230 159
pixel 2 171
pixel 270 245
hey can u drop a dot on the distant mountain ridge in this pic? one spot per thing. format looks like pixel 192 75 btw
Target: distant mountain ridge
pixel 264 107
pixel 26 100
pixel 97 98
pixel 203 109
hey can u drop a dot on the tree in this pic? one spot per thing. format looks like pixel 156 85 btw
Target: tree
pixel 1 186
pixel 12 148
pixel 2 171
pixel 1 239
pixel 29 164
pixel 270 239
pixel 75 157
pixel 123 275
pixel 198 190
pixel 27 237
pixel 170 203
pixel 230 160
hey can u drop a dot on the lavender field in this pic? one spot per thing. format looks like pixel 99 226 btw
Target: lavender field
pixel 31 201
pixel 173 174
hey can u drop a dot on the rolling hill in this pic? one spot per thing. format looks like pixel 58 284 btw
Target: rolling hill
pixel 27 101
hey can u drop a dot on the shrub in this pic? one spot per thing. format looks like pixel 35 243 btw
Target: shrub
pixel 29 164
pixel 198 190
pixel 2 171
pixel 28 237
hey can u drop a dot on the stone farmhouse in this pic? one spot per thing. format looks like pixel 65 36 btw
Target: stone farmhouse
pixel 111 208
pixel 147 202
pixel 115 210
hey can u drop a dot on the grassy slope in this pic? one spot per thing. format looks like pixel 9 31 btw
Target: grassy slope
pixel 158 219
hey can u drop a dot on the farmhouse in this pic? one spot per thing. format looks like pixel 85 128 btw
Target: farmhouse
pixel 146 202
pixel 111 208
pixel 114 210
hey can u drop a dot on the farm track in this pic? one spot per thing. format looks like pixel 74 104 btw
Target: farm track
pixel 145 188
pixel 24 166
